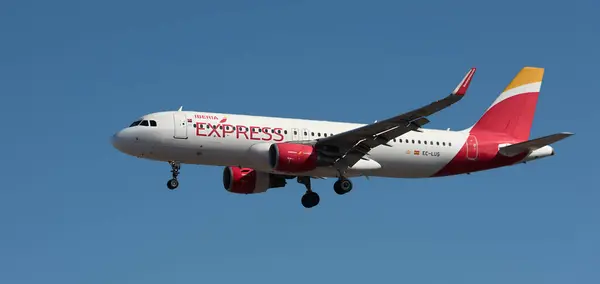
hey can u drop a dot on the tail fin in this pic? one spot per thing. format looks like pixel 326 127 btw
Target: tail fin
pixel 512 112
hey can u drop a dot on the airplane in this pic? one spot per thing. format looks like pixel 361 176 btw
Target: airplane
pixel 260 153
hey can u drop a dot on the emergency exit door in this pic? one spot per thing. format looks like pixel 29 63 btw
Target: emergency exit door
pixel 180 126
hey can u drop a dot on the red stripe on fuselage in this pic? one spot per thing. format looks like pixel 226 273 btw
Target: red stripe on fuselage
pixel 486 146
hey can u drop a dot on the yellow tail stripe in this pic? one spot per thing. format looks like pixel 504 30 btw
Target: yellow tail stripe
pixel 526 76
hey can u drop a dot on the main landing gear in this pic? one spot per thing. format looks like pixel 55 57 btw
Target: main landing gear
pixel 311 199
pixel 342 186
pixel 174 183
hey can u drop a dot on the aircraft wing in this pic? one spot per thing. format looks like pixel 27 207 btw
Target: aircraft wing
pixel 349 147
pixel 534 144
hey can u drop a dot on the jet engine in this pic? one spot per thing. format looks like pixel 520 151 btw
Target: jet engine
pixel 294 158
pixel 247 180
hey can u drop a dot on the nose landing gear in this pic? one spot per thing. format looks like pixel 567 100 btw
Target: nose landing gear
pixel 174 183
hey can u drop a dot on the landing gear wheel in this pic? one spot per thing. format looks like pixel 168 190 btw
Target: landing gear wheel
pixel 172 184
pixel 342 186
pixel 310 199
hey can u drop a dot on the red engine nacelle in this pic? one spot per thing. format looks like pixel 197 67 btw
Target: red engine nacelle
pixel 247 180
pixel 292 158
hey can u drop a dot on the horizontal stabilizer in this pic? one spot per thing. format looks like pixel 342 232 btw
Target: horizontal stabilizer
pixel 531 145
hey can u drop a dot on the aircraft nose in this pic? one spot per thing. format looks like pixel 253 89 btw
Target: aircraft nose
pixel 119 141
pixel 114 140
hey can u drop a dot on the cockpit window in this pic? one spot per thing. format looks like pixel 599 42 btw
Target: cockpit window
pixel 144 123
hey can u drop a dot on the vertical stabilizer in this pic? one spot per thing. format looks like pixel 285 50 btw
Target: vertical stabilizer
pixel 512 112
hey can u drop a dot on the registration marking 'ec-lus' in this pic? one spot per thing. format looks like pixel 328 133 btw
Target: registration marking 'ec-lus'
pixel 430 154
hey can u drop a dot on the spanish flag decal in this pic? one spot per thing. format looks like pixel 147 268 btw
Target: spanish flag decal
pixel 417 152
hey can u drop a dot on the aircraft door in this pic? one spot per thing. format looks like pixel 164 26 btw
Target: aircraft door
pixel 180 125
pixel 295 134
pixel 472 148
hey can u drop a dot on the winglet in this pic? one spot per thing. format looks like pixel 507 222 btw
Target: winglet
pixel 461 89
pixel 180 108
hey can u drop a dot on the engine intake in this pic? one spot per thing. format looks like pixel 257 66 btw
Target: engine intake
pixel 247 180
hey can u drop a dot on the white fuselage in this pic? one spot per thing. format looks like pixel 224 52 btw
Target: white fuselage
pixel 183 136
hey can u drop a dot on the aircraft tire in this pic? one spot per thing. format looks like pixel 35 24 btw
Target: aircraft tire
pixel 342 186
pixel 172 184
pixel 310 199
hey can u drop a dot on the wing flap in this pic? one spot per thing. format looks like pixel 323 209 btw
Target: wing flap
pixel 531 145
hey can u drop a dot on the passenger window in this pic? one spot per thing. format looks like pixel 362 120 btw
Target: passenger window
pixel 144 123
pixel 437 143
pixel 325 134
pixel 319 134
pixel 443 143
pixel 312 133
pixel 419 141
pixel 449 144
pixel 295 132
pixel 153 123
pixel 413 141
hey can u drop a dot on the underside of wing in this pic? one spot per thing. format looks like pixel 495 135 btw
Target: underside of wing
pixel 347 148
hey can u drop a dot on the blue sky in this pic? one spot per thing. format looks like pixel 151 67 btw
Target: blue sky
pixel 75 210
